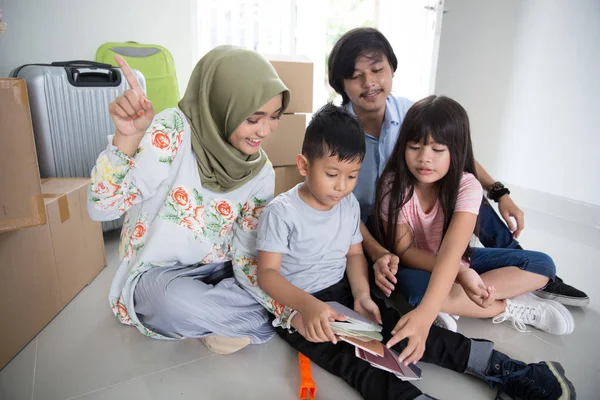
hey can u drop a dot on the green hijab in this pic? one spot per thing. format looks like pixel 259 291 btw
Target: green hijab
pixel 227 86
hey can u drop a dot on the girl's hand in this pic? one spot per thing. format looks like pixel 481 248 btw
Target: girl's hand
pixel 316 316
pixel 385 269
pixel 415 326
pixel 366 307
pixel 474 287
pixel 131 112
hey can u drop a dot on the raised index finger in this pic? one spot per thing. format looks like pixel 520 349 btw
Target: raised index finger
pixel 129 75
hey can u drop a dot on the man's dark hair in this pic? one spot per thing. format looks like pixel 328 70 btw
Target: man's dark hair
pixel 358 42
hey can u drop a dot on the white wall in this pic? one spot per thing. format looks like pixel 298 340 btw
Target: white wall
pixel 527 73
pixel 58 30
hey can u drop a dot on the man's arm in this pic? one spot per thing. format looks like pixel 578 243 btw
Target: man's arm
pixel 371 246
pixel 506 205
pixel 484 178
pixel 385 263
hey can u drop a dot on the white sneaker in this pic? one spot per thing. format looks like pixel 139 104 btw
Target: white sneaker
pixel 546 315
pixel 446 321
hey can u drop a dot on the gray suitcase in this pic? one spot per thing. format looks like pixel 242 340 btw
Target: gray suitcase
pixel 69 108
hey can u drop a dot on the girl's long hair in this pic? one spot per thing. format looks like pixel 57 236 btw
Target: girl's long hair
pixel 447 123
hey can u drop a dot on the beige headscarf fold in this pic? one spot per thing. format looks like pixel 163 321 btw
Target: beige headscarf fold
pixel 227 86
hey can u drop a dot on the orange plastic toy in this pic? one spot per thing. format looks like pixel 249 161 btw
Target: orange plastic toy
pixel 308 390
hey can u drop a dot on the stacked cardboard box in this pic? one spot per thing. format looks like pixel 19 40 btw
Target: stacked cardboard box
pixel 285 143
pixel 21 199
pixel 49 247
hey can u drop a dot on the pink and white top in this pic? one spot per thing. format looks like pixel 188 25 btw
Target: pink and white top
pixel 427 227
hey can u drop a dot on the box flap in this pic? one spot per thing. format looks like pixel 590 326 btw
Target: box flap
pixel 20 202
pixel 63 205
pixel 63 185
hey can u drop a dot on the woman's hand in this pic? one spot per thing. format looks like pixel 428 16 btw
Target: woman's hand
pixel 415 326
pixel 131 112
pixel 298 324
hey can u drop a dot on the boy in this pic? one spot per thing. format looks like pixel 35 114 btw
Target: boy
pixel 361 67
pixel 309 252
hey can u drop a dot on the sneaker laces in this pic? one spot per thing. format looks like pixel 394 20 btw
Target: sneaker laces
pixel 524 390
pixel 519 315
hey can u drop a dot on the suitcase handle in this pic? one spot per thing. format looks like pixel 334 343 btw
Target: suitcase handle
pixel 90 73
pixel 80 74
pixel 76 63
pixel 81 63
pixel 83 73
pixel 86 76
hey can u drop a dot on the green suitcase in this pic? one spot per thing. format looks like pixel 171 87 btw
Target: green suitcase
pixel 154 62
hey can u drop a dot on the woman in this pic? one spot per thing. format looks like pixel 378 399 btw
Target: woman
pixel 192 181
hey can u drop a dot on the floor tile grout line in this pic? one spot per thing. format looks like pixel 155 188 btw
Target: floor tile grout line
pixel 546 342
pixel 34 368
pixel 140 376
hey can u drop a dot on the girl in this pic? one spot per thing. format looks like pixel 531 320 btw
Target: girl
pixel 426 211
pixel 192 181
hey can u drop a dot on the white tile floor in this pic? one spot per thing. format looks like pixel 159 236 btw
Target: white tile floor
pixel 85 354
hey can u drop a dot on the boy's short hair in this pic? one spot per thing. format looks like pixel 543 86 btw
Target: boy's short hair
pixel 333 131
pixel 356 43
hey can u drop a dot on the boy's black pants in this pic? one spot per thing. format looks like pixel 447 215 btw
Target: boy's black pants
pixel 444 348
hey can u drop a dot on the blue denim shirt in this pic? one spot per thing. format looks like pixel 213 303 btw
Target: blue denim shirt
pixel 378 152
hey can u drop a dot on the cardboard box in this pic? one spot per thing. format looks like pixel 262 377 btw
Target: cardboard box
pixel 77 240
pixel 283 145
pixel 42 268
pixel 286 178
pixel 297 74
pixel 29 296
pixel 21 203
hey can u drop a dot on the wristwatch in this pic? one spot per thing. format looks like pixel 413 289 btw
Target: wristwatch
pixel 497 191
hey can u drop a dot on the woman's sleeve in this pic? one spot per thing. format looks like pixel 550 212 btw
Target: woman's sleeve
pixel 119 181
pixel 244 253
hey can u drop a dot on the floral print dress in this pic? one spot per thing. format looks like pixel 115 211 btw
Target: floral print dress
pixel 171 220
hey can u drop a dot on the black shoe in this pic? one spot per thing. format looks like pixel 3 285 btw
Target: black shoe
pixel 564 294
pixel 545 380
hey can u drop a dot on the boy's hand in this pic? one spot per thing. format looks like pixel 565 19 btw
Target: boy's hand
pixel 475 288
pixel 415 326
pixel 386 268
pixel 316 316
pixel 365 306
